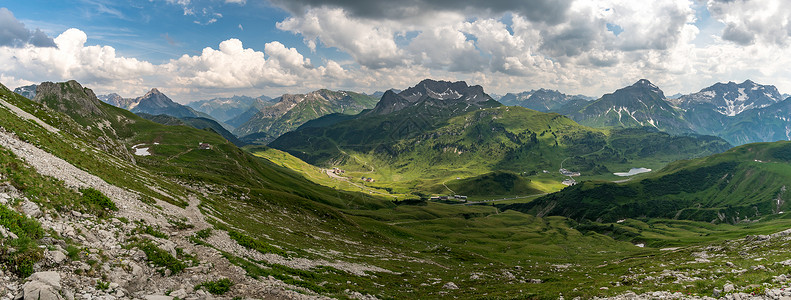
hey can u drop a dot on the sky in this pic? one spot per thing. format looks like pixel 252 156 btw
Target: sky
pixel 201 49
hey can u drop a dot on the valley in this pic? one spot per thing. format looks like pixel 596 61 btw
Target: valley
pixel 283 224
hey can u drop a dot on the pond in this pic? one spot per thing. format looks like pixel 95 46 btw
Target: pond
pixel 633 171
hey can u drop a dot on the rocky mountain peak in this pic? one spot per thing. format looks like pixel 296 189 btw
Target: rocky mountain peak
pixel 69 97
pixel 435 92
pixel 28 91
pixel 731 99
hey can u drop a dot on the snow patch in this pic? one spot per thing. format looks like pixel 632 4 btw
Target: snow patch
pixel 142 151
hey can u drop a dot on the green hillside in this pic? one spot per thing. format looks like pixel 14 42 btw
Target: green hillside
pixel 335 243
pixel 199 123
pixel 744 184
pixel 420 154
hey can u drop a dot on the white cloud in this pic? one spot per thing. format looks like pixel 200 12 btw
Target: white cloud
pixel 372 45
pixel 748 22
pixel 233 66
pixel 72 59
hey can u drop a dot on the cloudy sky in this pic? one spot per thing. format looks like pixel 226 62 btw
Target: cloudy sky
pixel 198 49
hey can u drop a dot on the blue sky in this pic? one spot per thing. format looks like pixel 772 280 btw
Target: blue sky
pixel 197 49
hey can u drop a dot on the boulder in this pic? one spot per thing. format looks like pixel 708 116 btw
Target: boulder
pixel 450 286
pixel 56 257
pixel 728 288
pixel 42 286
pixel 31 209
pixel 158 297
pixel 180 293
pixel 49 277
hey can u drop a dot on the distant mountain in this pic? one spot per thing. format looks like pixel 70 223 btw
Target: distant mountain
pixel 543 100
pixel 496 96
pixel 154 103
pixel 248 114
pixel 731 99
pixel 438 95
pixel 291 111
pixel 118 101
pixel 225 109
pixel 199 123
pixel 642 104
pixel 675 96
pixel 767 124
pixel 28 91
pixel 378 94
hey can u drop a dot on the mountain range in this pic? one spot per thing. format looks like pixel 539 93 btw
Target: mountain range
pixel 99 202
pixel 739 113
pixel 543 100
pixel 225 109
pixel 439 130
pixel 265 123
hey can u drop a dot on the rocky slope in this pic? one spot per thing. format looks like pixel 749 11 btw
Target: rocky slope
pixel 642 104
pixel 730 98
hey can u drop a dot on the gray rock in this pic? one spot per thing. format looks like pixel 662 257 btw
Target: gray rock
pixel 728 288
pixel 450 286
pixel 56 257
pixel 50 277
pixel 4 232
pixel 158 297
pixel 42 286
pixel 716 293
pixel 31 209
pixel 180 293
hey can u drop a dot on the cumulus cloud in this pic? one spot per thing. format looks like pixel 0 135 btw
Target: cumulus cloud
pixel 233 66
pixel 72 59
pixel 371 44
pixel 14 33
pixel 748 22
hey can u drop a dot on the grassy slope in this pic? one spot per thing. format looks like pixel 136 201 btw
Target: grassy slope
pixel 426 246
pixel 428 153
pixel 746 183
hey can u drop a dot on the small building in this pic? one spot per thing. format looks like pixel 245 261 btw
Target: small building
pixel 569 182
pixel 565 172
pixel 338 171
pixel 368 179
pixel 204 146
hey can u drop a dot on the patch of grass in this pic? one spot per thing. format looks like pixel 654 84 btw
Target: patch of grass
pixel 19 255
pixel 161 258
pixel 216 287
pixel 73 252
pixel 148 229
pixel 203 233
pixel 97 202
pixel 180 224
pixel 102 285
pixel 255 244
